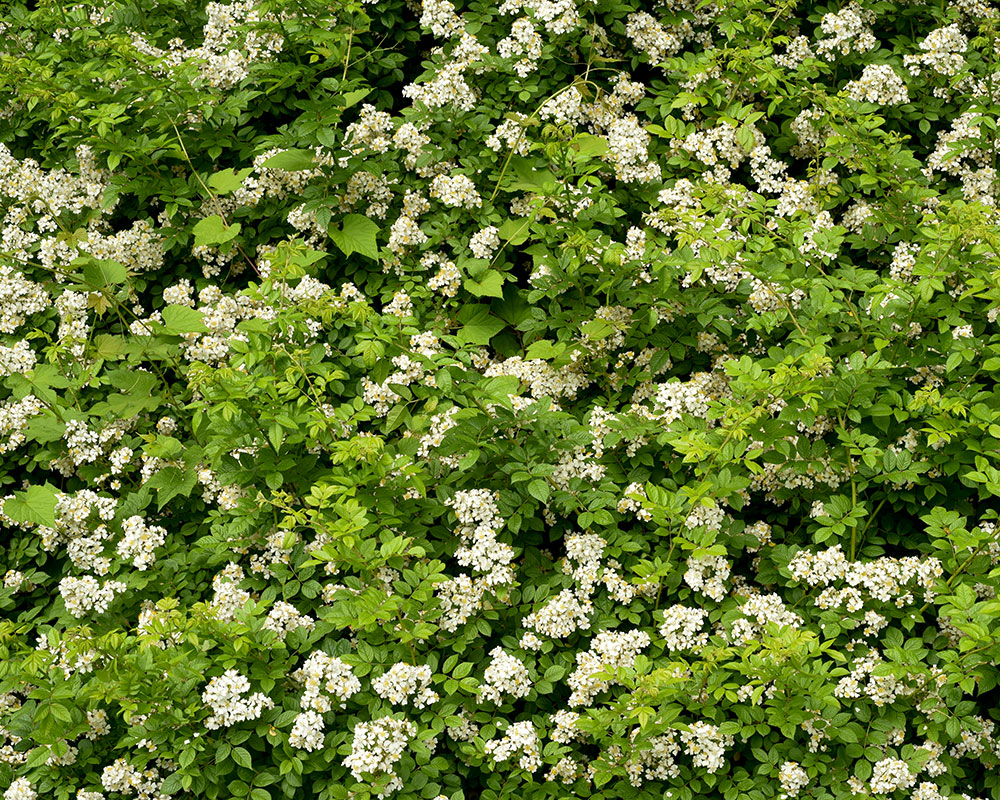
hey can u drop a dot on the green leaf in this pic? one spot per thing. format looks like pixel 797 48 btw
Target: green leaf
pixel 397 416
pixel 352 98
pixel 171 481
pixel 126 406
pixel 545 349
pixel 528 178
pixel 181 319
pixel 171 784
pixel 37 757
pixel 356 235
pixel 131 381
pixel 515 231
pixel 490 286
pixel 134 503
pixel 475 267
pixel 37 505
pixel 745 138
pixel 101 272
pixel 291 160
pixel 587 145
pixel 109 347
pixel 479 326
pixel 45 428
pixel 228 180
pixel 241 756
pixel 212 230
pixel 539 489
pixel 597 329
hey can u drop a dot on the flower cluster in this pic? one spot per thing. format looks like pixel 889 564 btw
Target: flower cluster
pixel 308 729
pixel 519 737
pixel 479 523
pixel 878 84
pixel 681 628
pixel 376 748
pixel 884 579
pixel 139 541
pixel 284 617
pixel 793 778
pixel 706 745
pixel 609 651
pixel 847 31
pixel 87 594
pixel 504 676
pixel 227 696
pixel 708 575
pixel 406 683
pixel 20 789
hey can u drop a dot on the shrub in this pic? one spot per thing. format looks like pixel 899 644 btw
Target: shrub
pixel 540 400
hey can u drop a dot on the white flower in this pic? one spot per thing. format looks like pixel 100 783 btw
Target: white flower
pixel 324 676
pixel 681 628
pixel 793 778
pixel 20 789
pixel 706 745
pixel 457 191
pixel 484 242
pixel 520 736
pixel 227 696
pixel 708 575
pixel 86 594
pixel 942 51
pixel 405 681
pixel 847 31
pixel 525 44
pixel 307 732
pixel 879 84
pixel 376 748
pixel 609 650
pixel 505 675
pixel 890 775
pixel 440 17
pixel 140 541
pixel 284 617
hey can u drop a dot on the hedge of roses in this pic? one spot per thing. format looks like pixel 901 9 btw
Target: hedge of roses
pixel 551 399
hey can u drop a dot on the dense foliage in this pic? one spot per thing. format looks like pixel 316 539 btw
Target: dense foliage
pixel 550 399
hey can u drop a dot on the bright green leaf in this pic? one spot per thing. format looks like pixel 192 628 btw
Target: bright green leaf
pixel 479 326
pixel 181 319
pixel 291 160
pixel 356 235
pixel 37 505
pixel 490 286
pixel 212 230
